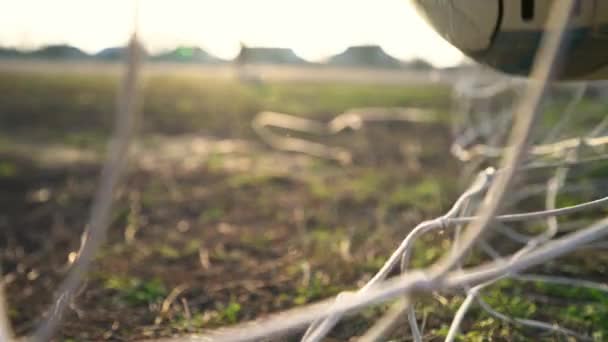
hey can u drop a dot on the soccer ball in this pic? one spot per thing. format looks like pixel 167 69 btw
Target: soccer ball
pixel 506 34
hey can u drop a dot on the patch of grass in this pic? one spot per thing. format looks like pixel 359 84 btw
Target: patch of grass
pixel 324 236
pixel 428 250
pixel 338 97
pixel 229 313
pixel 318 188
pixel 368 185
pixel 381 189
pixel 8 169
pixel 591 311
pixel 196 320
pixel 253 180
pixel 247 180
pixel 511 304
pixel 215 161
pixel 572 292
pixel 223 314
pixel 316 288
pixel 154 194
pixel 424 195
pixel 591 112
pixel 373 264
pixel 192 247
pixel 85 140
pixel 364 186
pixel 169 252
pixel 567 200
pixel 599 170
pixel 221 254
pixel 211 215
pixel 483 329
pixel 121 215
pixel 135 291
pixel 326 243
pixel 257 240
pixel 82 105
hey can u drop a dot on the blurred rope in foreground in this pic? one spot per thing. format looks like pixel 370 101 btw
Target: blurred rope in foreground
pixel 113 169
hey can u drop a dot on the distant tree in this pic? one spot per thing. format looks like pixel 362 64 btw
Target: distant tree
pixel 61 51
pixel 10 53
pixel 186 54
pixel 370 56
pixel 419 64
pixel 112 53
pixel 267 55
pixel 116 53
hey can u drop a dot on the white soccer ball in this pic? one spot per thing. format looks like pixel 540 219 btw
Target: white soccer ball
pixel 467 24
pixel 506 34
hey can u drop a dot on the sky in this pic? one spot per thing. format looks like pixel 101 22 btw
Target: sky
pixel 315 29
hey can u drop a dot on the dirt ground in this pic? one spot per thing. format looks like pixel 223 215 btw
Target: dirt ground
pixel 211 227
pixel 233 235
pixel 207 230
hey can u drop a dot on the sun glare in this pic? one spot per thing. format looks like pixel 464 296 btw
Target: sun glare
pixel 315 29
